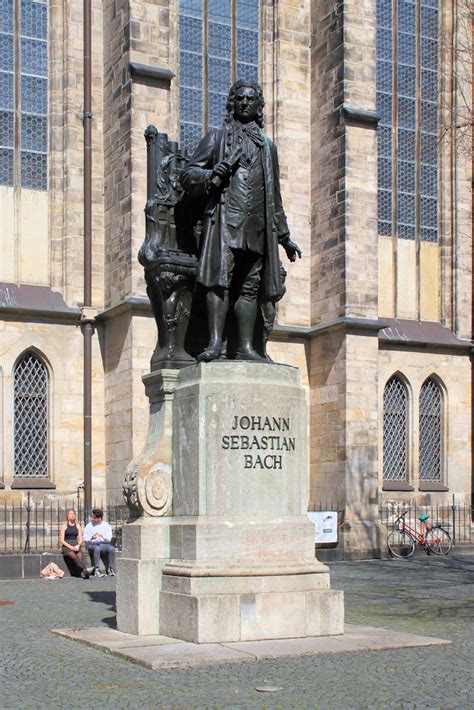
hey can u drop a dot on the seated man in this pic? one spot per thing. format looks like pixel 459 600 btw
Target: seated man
pixel 97 539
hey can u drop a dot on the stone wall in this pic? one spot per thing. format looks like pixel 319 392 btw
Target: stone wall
pixel 453 373
pixel 60 348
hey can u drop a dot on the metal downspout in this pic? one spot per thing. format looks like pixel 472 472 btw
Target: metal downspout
pixel 87 318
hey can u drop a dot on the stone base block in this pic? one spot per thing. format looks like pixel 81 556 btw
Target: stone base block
pixel 146 550
pixel 226 618
pixel 138 590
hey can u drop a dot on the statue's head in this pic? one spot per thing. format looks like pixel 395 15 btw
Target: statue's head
pixel 245 102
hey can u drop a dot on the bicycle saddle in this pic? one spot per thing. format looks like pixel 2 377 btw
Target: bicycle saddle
pixel 423 518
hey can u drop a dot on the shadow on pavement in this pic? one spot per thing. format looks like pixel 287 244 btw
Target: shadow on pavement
pixel 106 598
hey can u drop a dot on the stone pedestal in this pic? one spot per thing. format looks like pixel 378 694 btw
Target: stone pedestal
pixel 236 560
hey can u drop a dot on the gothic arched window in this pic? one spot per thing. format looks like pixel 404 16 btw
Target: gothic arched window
pixel 431 431
pixel 31 394
pixel 218 43
pixel 395 430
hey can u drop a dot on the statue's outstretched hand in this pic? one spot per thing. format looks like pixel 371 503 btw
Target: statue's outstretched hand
pixel 291 249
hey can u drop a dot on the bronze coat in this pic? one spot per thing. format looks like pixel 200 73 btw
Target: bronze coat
pixel 212 271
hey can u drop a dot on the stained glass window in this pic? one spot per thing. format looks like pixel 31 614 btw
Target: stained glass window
pixel 407 102
pixel 30 382
pixel 219 43
pixel 24 93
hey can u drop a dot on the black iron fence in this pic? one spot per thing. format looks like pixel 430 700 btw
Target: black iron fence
pixel 34 525
pixel 454 516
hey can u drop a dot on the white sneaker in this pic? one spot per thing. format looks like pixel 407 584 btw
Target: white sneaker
pixel 111 572
pixel 98 573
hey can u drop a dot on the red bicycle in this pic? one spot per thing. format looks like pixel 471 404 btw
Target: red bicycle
pixel 401 541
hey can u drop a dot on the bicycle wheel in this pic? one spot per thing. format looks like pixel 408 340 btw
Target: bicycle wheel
pixel 438 541
pixel 401 544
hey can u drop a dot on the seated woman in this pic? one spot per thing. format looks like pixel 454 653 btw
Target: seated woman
pixel 70 538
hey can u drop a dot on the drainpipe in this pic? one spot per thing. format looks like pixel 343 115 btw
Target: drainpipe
pixel 87 317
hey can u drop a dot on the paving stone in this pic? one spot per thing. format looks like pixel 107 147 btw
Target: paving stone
pixel 429 597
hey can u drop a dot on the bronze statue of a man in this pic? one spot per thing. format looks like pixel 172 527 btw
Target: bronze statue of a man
pixel 234 173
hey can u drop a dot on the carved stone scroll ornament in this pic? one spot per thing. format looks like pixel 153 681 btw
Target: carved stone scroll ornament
pixel 148 486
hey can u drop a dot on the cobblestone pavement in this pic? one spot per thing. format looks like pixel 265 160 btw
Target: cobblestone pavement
pixel 429 596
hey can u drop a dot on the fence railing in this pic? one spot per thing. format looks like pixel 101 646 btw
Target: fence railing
pixel 454 517
pixel 34 526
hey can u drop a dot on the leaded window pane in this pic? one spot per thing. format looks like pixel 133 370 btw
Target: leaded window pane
pixel 385 206
pixel 34 170
pixel 219 75
pixel 34 18
pixel 219 40
pixel 34 57
pixel 406 16
pixel 411 113
pixel 429 150
pixel 395 431
pixel 430 431
pixel 384 76
pixel 385 141
pixel 407 47
pixel 190 8
pixel 6 129
pixel 429 22
pixel 6 52
pixel 26 72
pixel 6 15
pixel 384 13
pixel 247 14
pixel 406 176
pixel 385 173
pixel 6 167
pixel 384 44
pixel 249 72
pixel 7 90
pixel 219 11
pixel 407 81
pixel 30 378
pixel 384 108
pixel 216 105
pixel 189 134
pixel 203 94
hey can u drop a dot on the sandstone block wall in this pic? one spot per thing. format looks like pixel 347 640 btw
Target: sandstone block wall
pixel 60 348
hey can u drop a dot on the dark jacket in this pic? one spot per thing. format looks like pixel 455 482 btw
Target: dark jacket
pixel 212 271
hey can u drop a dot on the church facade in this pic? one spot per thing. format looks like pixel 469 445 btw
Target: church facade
pixel 368 104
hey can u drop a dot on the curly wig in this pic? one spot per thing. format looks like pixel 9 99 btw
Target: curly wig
pixel 231 100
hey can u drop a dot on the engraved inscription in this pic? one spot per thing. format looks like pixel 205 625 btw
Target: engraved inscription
pixel 258 443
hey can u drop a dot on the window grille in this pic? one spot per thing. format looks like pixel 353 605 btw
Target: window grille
pixel 219 43
pixel 407 102
pixel 395 431
pixel 30 378
pixel 431 435
pixel 24 93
